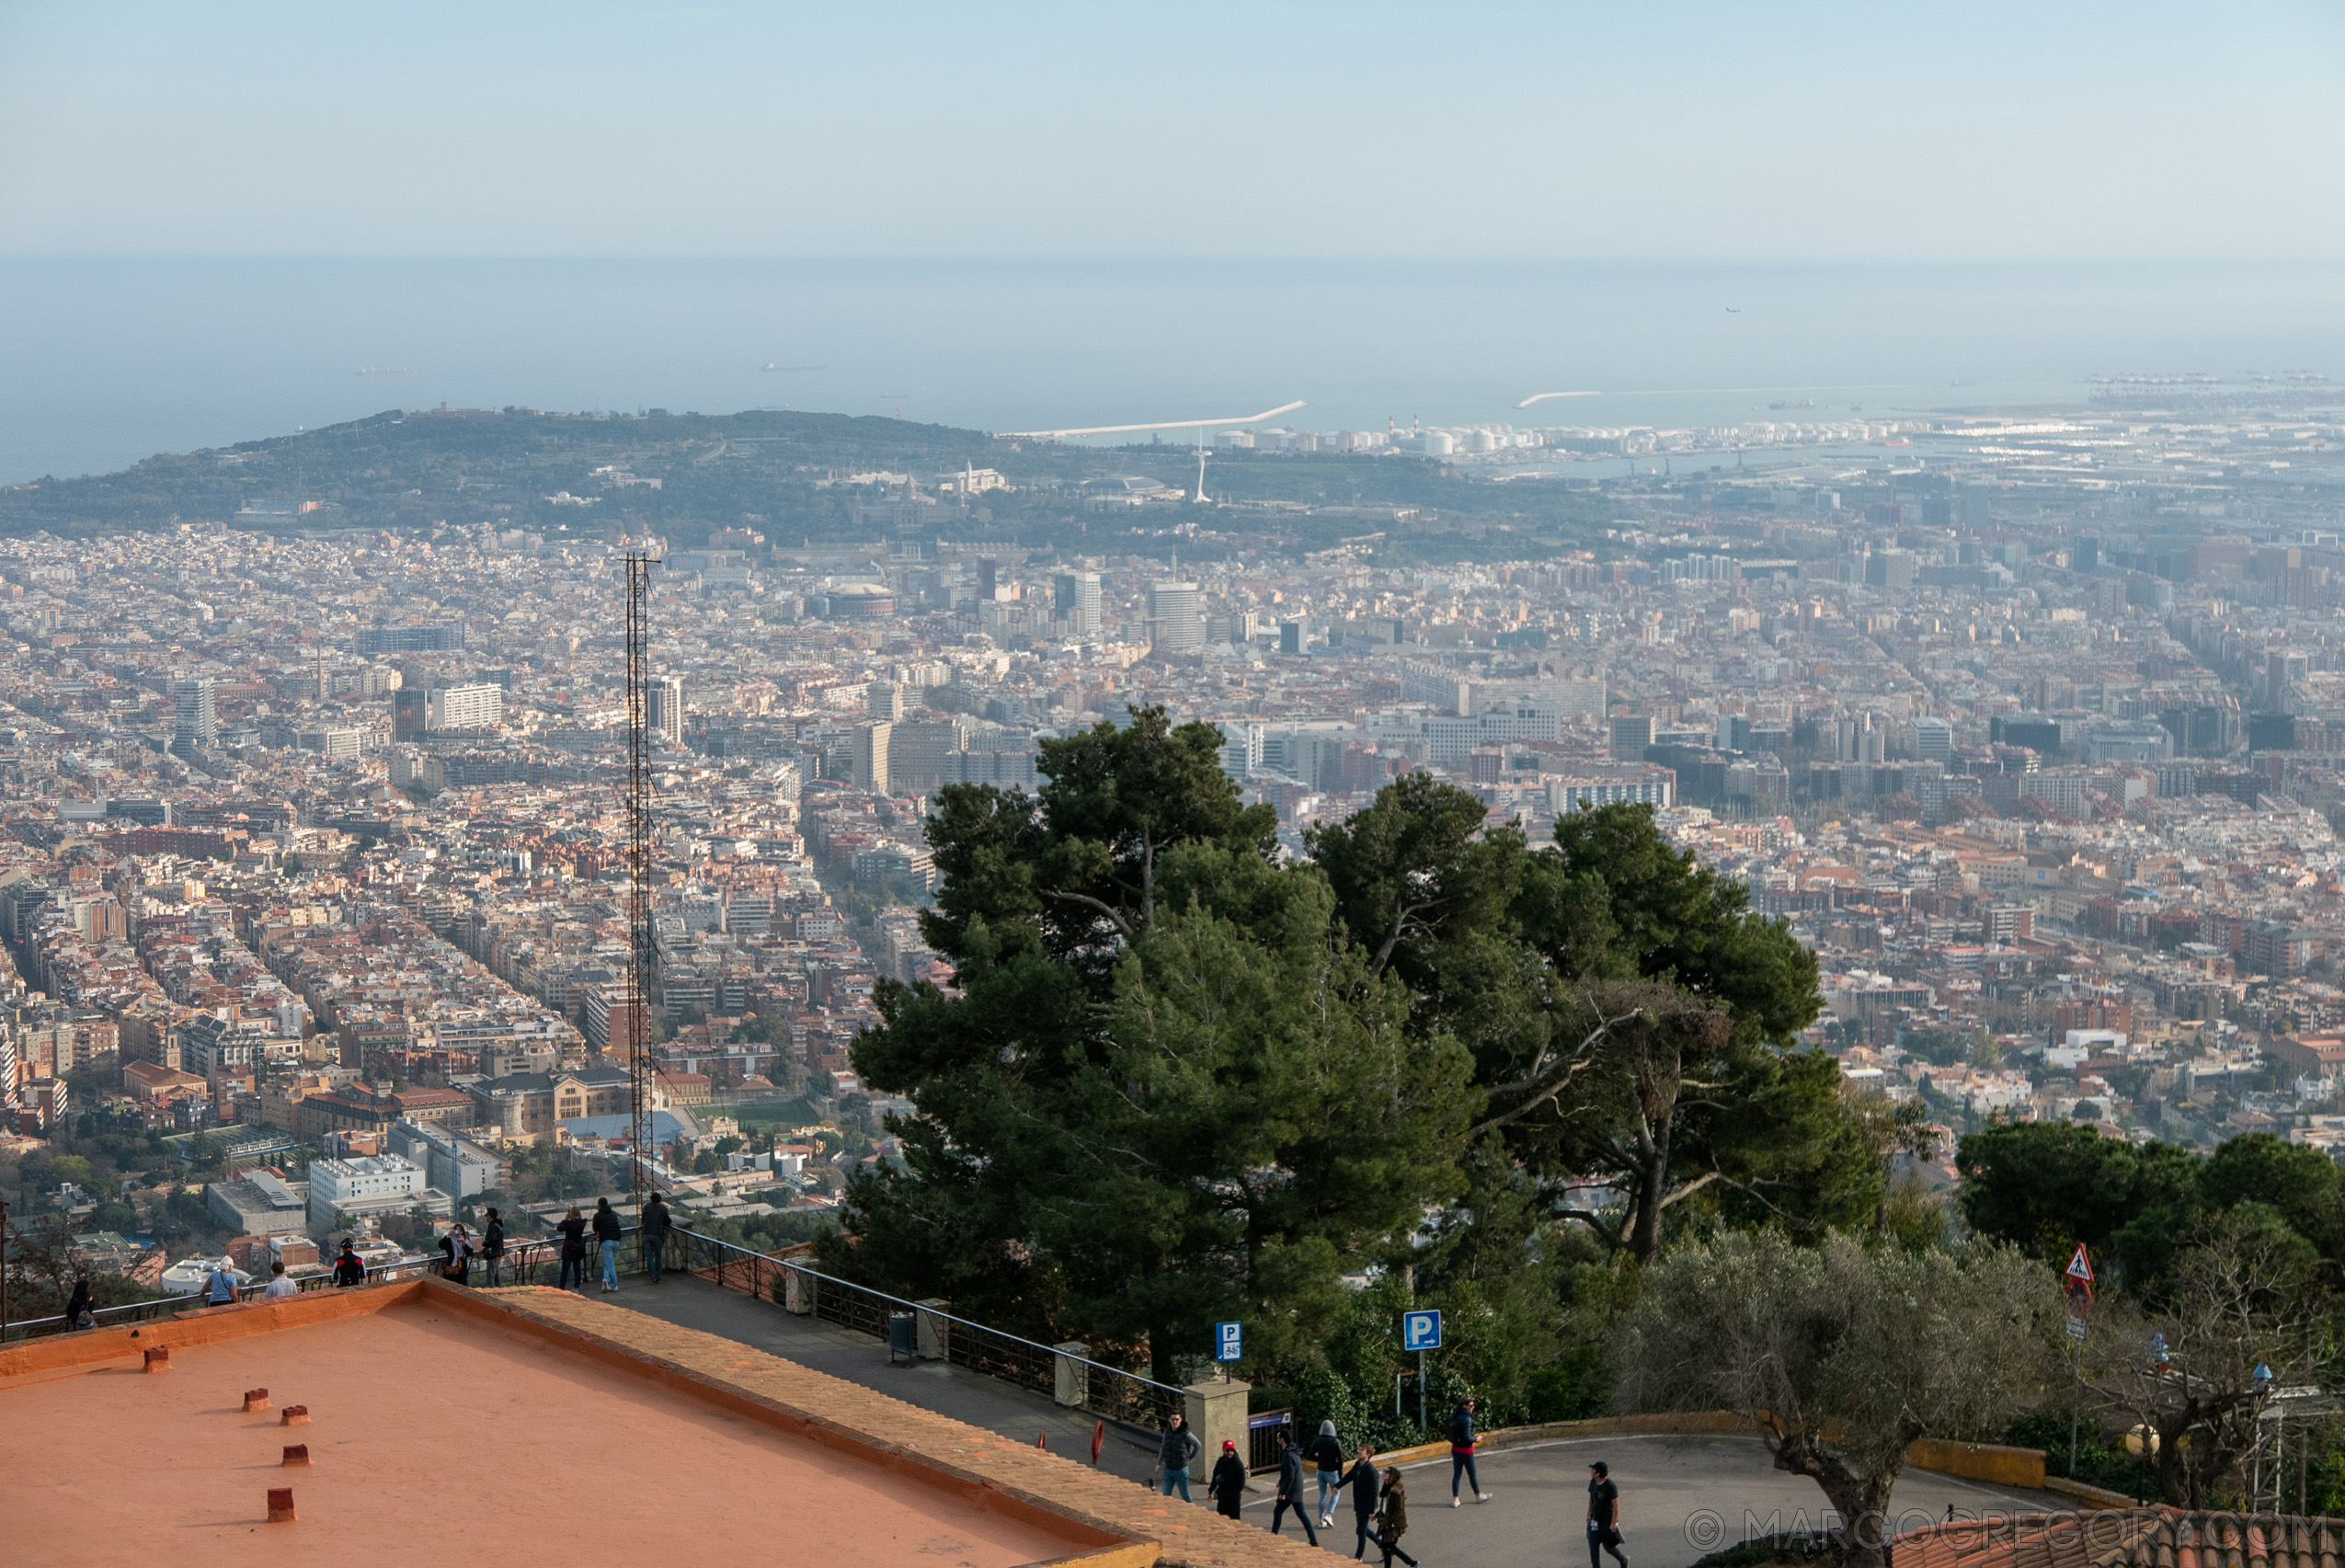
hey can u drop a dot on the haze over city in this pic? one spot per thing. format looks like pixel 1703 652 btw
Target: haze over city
pixel 1028 785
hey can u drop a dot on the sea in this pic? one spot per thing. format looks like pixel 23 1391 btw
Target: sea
pixel 107 359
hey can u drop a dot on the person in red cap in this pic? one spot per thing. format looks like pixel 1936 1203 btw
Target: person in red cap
pixel 1229 1481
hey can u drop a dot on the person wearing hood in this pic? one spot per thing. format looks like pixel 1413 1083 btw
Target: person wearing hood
pixel 1326 1455
pixel 1228 1483
pixel 1173 1452
pixel 1290 1488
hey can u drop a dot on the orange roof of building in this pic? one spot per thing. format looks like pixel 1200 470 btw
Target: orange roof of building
pixel 2128 1538
pixel 543 1429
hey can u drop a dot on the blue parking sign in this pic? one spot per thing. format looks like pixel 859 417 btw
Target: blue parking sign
pixel 1229 1342
pixel 1421 1330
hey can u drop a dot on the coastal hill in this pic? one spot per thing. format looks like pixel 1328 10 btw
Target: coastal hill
pixel 684 475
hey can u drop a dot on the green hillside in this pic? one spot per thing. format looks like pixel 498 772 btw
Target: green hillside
pixel 765 468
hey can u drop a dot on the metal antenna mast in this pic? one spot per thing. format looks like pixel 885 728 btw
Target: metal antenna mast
pixel 646 955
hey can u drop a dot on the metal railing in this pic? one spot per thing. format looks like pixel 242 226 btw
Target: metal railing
pixel 130 1313
pixel 1071 1380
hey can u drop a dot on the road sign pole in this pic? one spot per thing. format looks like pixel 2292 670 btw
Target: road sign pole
pixel 2076 1405
pixel 1420 1391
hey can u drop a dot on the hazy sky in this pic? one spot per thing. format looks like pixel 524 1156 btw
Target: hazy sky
pixel 1880 130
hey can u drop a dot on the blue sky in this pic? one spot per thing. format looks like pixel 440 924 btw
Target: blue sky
pixel 1979 131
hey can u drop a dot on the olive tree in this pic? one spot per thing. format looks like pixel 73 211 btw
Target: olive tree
pixel 1840 1356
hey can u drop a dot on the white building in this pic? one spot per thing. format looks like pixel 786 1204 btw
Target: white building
pixel 368 1186
pixel 464 707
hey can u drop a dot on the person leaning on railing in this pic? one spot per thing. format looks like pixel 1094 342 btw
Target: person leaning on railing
pixel 656 1226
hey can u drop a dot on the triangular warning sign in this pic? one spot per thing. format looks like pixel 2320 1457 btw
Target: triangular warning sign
pixel 2080 1267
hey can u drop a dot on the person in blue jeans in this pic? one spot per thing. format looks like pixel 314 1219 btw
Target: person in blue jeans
pixel 1173 1453
pixel 606 1233
pixel 1461 1451
pixel 1326 1455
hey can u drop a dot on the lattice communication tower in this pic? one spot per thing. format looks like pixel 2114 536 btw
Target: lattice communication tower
pixel 644 954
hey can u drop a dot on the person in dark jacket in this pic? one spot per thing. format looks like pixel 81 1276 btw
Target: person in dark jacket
pixel 1365 1484
pixel 572 1228
pixel 1227 1485
pixel 606 1235
pixel 1461 1451
pixel 77 1310
pixel 655 1225
pixel 1392 1513
pixel 1173 1452
pixel 1290 1489
pixel 350 1268
pixel 492 1245
pixel 458 1246
pixel 1326 1455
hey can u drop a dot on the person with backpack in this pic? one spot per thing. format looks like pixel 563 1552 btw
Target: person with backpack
pixel 350 1268
pixel 573 1228
pixel 1228 1483
pixel 656 1226
pixel 1461 1451
pixel 1326 1455
pixel 1290 1488
pixel 607 1231
pixel 1366 1484
pixel 1173 1452
pixel 492 1245
pixel 1392 1513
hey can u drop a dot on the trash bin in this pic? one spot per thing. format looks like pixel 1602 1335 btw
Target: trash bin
pixel 903 1336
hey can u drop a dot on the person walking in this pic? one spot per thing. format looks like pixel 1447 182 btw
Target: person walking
pixel 278 1286
pixel 492 1246
pixel 1290 1488
pixel 1173 1452
pixel 220 1285
pixel 1392 1511
pixel 1603 1517
pixel 1365 1482
pixel 656 1226
pixel 1326 1455
pixel 1227 1485
pixel 607 1229
pixel 350 1268
pixel 572 1228
pixel 78 1314
pixel 1461 1451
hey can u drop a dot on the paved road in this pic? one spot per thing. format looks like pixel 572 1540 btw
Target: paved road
pixel 1680 1498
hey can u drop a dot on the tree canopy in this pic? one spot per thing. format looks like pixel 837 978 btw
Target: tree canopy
pixel 1178 1079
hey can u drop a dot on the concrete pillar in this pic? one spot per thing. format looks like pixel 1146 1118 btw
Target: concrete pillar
pixel 797 1291
pixel 1071 1374
pixel 1216 1413
pixel 935 1334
